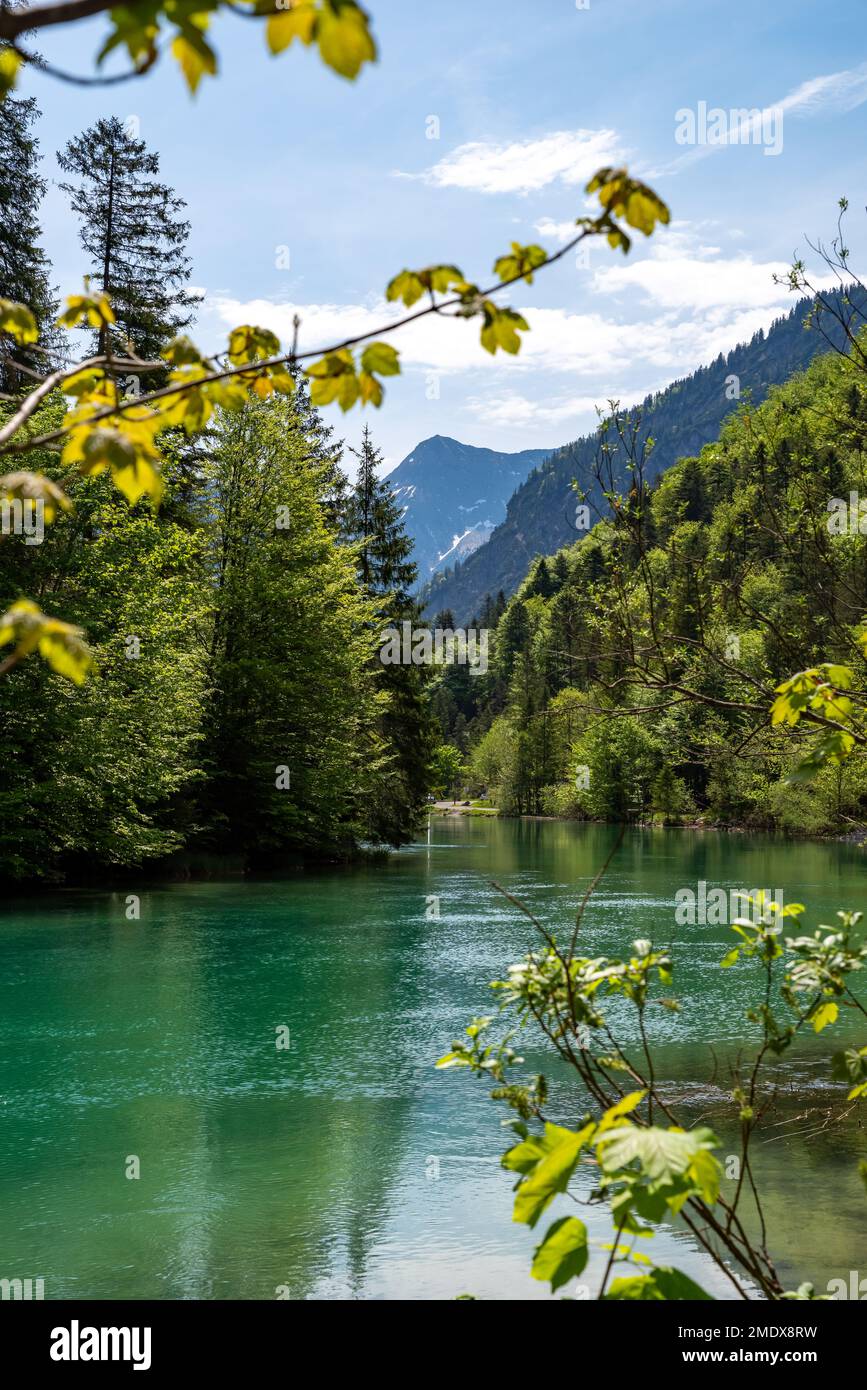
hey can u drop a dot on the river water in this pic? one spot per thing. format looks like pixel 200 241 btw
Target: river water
pixel 344 1165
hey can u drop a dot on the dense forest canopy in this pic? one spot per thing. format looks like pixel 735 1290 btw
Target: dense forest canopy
pixel 635 668
pixel 234 701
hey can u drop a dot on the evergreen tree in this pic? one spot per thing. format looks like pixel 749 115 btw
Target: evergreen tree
pixel 24 270
pixel 539 580
pixel 133 236
pixel 291 747
pixel 374 522
pixel 374 526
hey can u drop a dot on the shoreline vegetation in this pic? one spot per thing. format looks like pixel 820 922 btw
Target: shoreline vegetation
pixel 204 866
pixel 445 809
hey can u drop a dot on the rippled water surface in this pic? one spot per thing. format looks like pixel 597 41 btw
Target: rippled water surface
pixel 346 1166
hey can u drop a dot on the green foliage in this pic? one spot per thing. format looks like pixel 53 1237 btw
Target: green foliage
pixel 372 522
pixel 102 773
pixel 289 672
pixel 649 652
pixel 563 1253
pixel 681 419
pixel 446 769
pixel 649 1168
pixel 339 29
pixel 229 634
pixel 520 262
pixel 336 377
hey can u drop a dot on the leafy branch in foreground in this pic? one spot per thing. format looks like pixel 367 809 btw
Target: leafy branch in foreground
pixel 649 1167
pixel 109 428
pixel 339 29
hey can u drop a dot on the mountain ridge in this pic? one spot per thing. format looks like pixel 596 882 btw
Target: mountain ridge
pixel 682 418
pixel 454 495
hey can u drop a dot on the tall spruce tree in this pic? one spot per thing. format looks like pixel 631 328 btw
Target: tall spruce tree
pixel 374 524
pixel 291 747
pixel 133 236
pixel 24 268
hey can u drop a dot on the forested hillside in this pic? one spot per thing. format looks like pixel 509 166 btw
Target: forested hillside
pixel 634 670
pixel 541 516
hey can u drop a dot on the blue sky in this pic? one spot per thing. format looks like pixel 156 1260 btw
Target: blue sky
pixel 529 99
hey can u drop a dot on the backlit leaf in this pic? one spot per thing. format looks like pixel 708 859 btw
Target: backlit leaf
pixel 563 1253
pixel 344 38
pixel 18 322
pixel 9 65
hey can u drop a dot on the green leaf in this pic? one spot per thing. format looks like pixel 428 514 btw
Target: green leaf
pixel 333 378
pixel 522 261
pixel 406 286
pixel 501 328
pixel 850 1065
pixel 380 358
pixel 663 1154
pixel 182 352
pixel 563 1253
pixel 623 1107
pixel 826 1013
pixel 552 1174
pixel 409 285
pixel 663 1284
pixel 296 23
pixel 194 55
pixel 344 37
pixel 35 487
pixel 93 309
pixel 9 65
pixel 370 389
pixel 18 322
pixel 136 27
pixel 252 344
pixel 59 643
pixel 622 196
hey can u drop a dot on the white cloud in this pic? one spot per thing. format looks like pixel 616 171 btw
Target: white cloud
pixel 558 231
pixel 698 282
pixel 559 340
pixel 441 344
pixel 700 314
pixel 681 274
pixel 517 411
pixel 523 166
pixel 660 318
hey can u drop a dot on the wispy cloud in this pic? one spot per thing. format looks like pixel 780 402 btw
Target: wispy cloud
pixel 835 92
pixel 524 166
pixel 838 91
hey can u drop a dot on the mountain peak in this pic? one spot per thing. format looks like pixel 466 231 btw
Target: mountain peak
pixel 454 495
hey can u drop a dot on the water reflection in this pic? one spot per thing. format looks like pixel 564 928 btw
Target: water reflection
pixel 346 1166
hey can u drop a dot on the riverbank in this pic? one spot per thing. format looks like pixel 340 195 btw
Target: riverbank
pixel 856 836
